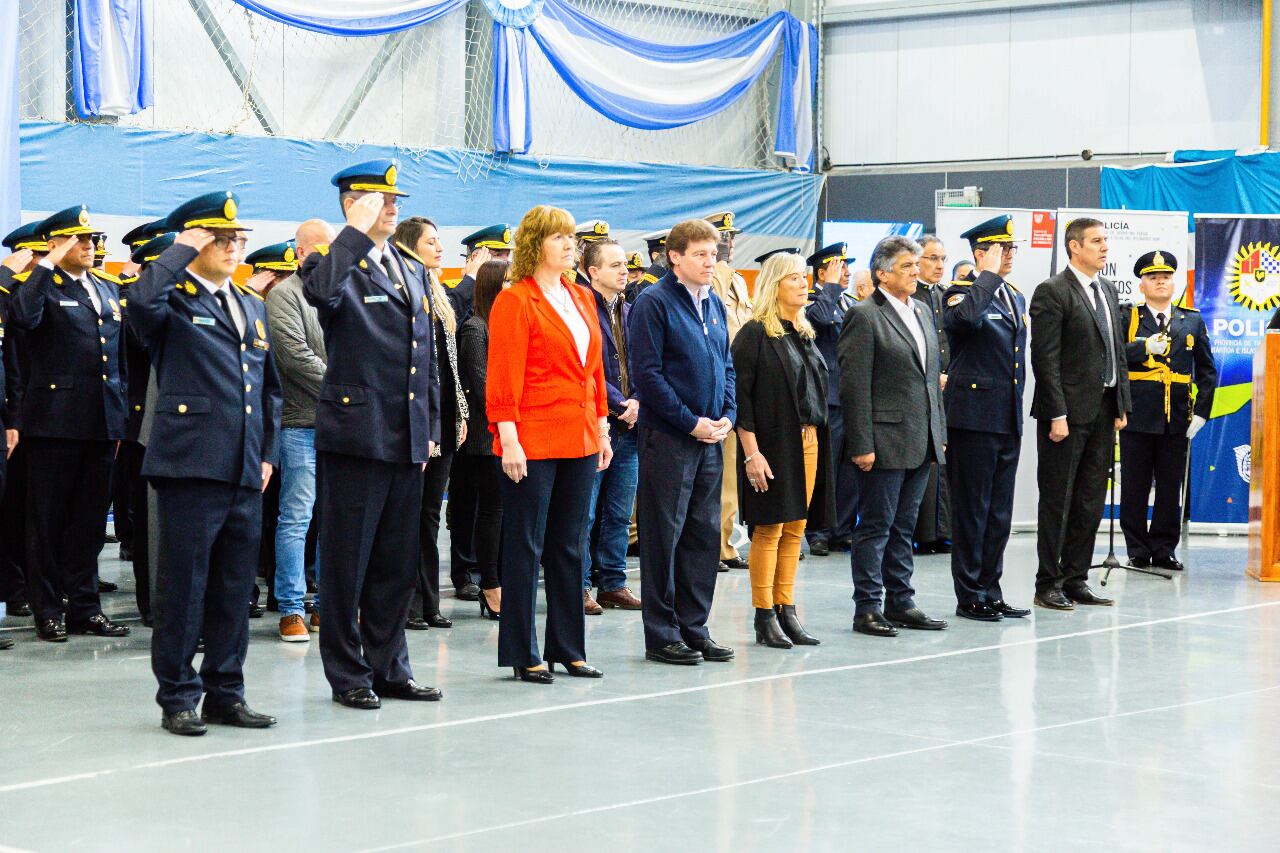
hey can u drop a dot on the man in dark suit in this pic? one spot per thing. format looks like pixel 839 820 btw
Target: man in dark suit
pixel 828 302
pixel 1167 350
pixel 1081 399
pixel 891 391
pixel 933 527
pixel 209 455
pixel 73 416
pixel 377 421
pixel 986 322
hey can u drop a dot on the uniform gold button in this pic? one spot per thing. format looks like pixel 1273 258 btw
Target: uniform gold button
pixel 104 358
pixel 244 367
pixel 1015 349
pixel 973 386
pixel 182 408
pixel 248 388
pixel 99 322
pixel 1015 364
pixel 248 410
pixel 102 340
pixel 412 370
pixel 410 395
pixel 53 387
pixel 415 344
pixel 1015 382
pixel 137 408
pixel 104 377
pixel 346 400
pixel 243 348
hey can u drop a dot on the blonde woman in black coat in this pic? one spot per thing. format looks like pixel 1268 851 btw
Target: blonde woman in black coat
pixel 785 461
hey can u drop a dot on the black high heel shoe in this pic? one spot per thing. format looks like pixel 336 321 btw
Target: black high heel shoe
pixel 533 676
pixel 486 610
pixel 578 670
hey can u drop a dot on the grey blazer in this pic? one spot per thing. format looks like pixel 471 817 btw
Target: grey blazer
pixel 892 404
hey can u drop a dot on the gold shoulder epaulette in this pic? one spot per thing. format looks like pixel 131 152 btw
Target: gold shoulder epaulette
pixel 1189 308
pixel 452 283
pixel 104 275
pixel 1009 285
pixel 3 288
pixel 22 276
pixel 402 247
pixel 249 291
pixel 126 280
pixel 961 283
pixel 648 278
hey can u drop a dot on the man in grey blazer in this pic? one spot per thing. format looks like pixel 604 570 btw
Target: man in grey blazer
pixel 891 394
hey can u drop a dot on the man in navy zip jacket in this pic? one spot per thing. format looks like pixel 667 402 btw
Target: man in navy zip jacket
pixel 683 378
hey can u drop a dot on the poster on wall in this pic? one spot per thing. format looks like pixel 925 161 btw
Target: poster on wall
pixel 862 237
pixel 1130 234
pixel 1237 289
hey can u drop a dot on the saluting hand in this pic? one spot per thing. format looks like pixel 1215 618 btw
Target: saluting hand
pixel 18 261
pixel 476 260
pixel 57 253
pixel 258 281
pixel 196 238
pixel 364 212
pixel 992 259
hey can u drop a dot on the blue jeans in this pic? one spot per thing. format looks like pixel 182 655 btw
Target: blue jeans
pixel 888 505
pixel 297 500
pixel 612 499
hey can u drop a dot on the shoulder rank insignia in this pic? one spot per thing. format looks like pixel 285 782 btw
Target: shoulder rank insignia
pixel 57 279
pixel 1191 341
pixel 249 291
pixel 409 252
pixel 648 278
pixel 426 305
pixel 104 275
pixel 21 277
pixel 961 283
pixel 259 328
pixel 189 288
pixel 364 265
pixel 955 300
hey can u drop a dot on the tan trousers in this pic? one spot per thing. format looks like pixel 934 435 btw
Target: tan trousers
pixel 775 548
pixel 729 497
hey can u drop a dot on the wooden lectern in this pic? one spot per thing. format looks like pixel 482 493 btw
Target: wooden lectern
pixel 1264 464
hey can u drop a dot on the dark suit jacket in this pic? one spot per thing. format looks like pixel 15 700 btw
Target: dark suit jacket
pixel 218 410
pixel 78 374
pixel 381 393
pixel 473 364
pixel 892 404
pixel 1069 353
pixel 766 372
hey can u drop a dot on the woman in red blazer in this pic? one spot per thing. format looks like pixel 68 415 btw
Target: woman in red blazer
pixel 545 398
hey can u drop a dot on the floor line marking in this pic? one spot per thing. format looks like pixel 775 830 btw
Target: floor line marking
pixel 791 774
pixel 614 700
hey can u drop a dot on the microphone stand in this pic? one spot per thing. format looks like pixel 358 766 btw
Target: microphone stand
pixel 1111 561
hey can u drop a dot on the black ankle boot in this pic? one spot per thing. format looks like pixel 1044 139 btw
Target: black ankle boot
pixel 792 628
pixel 767 631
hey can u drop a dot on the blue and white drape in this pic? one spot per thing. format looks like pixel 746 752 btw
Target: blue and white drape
pixel 111 61
pixel 642 84
pixel 10 199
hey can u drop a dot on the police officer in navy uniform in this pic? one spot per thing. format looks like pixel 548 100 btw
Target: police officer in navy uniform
pixel 656 244
pixel 73 416
pixel 985 318
pixel 491 243
pixel 21 242
pixel 377 421
pixel 829 299
pixel 591 231
pixel 1167 351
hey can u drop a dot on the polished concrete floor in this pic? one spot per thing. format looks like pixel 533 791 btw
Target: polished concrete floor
pixel 1143 727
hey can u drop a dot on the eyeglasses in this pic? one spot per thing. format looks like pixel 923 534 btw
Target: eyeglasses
pixel 222 241
pixel 937 259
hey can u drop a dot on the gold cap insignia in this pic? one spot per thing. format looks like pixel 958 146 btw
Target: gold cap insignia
pixel 84 216
pixel 289 254
pixel 728 221
pixel 391 175
pixel 1008 227
pixel 229 209
pixel 506 236
pixel 602 228
pixel 1158 260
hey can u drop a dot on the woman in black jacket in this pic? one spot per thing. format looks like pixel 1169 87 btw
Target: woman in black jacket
pixel 418 239
pixel 785 459
pixel 477 513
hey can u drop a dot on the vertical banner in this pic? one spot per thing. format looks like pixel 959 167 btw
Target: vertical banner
pixel 1130 235
pixel 1237 288
pixel 10 195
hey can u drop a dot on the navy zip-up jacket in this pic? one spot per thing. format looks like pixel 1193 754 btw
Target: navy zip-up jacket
pixel 681 369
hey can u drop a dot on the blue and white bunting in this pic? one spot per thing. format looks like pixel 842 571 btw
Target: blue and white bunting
pixel 111 59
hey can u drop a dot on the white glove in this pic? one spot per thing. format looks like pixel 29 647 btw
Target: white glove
pixel 1158 345
pixel 1196 423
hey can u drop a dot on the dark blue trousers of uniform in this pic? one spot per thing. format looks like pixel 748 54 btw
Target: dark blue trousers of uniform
pixel 888 505
pixel 981 469
pixel 1144 457
pixel 68 493
pixel 678 518
pixel 846 515
pixel 542 522
pixel 207 554
pixel 368 513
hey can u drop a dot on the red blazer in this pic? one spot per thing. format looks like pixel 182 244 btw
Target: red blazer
pixel 535 378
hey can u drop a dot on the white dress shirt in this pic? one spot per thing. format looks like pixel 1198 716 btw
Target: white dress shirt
pixel 564 305
pixel 908 315
pixel 237 318
pixel 1086 285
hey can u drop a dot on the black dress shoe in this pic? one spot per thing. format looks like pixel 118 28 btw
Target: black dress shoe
pixel 713 651
pixel 1170 562
pixel 107 586
pixel 1139 562
pixel 18 608
pixel 841 543
pixel 735 563
pixel 674 653
pixel 468 592
pixel 874 624
pixel 51 631
pixel 110 539
pixel 183 723
pixel 1008 610
pixel 914 617
pixel 126 554
pixel 578 670
pixel 435 620
pixel 979 611
pixel 1053 599
pixel 410 690
pixel 5 643
pixel 414 623
pixel 1084 595
pixel 533 676
pixel 99 625
pixel 239 715
pixel 721 567
pixel 819 548
pixel 360 698
pixel 942 546
pixel 256 611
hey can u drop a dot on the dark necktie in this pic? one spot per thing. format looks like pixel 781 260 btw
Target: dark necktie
pixel 1008 301
pixel 392 273
pixel 225 302
pixel 1160 323
pixel 1101 313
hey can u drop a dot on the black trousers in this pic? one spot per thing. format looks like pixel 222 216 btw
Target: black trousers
pixel 1147 458
pixel 982 468
pixel 678 516
pixel 460 518
pixel 543 517
pixel 129 497
pixel 208 548
pixel 474 482
pixel 368 511
pixel 267 542
pixel 1072 477
pixel 13 527
pixel 68 494
pixel 426 593
pixel 846 474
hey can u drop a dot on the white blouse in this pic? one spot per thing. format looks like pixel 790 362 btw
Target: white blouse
pixel 567 308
